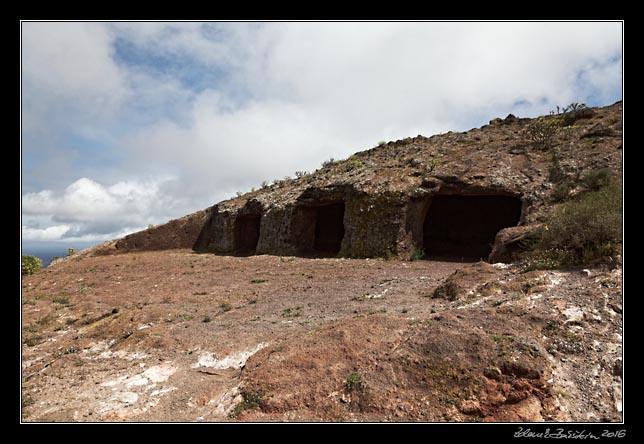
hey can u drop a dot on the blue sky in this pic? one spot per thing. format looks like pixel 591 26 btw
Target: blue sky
pixel 134 123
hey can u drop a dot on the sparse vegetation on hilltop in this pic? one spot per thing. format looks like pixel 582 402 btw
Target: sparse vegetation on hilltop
pixel 543 129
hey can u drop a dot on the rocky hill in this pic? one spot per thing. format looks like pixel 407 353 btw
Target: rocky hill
pixel 445 195
pixel 302 315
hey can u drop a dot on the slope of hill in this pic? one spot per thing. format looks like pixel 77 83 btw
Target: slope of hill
pixel 383 201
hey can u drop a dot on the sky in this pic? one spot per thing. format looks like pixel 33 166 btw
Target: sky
pixel 127 124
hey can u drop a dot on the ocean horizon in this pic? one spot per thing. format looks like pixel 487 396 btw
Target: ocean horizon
pixel 48 251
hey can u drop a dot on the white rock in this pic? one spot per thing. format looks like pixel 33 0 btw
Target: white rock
pixel 235 360
pixel 136 380
pixel 159 373
pixel 574 314
pixel 128 397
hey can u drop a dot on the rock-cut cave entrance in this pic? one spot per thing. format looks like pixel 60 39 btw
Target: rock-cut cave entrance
pixel 319 229
pixel 461 227
pixel 247 233
pixel 329 228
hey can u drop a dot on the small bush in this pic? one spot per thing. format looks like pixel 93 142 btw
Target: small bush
pixel 292 312
pixel 418 254
pixel 206 319
pixel 300 174
pixel 31 341
pixel 543 130
pixel 574 106
pixel 350 165
pixel 561 192
pixel 581 231
pixel 597 179
pixel 328 163
pixel 61 300
pixel 264 184
pixel 251 400
pixel 571 117
pixel 353 380
pixel 30 264
pixel 432 163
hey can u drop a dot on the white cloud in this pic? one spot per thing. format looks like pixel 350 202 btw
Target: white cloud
pixel 419 74
pixel 234 150
pixel 51 233
pixel 72 64
pixel 87 209
pixel 71 87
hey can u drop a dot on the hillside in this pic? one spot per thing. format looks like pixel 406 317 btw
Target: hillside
pixel 299 301
pixel 376 202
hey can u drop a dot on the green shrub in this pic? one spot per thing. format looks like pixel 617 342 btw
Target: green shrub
pixel 561 192
pixel 432 163
pixel 350 164
pixel 418 254
pixel 574 112
pixel 574 106
pixel 30 264
pixel 597 179
pixel 353 380
pixel 301 174
pixel 328 163
pixel 581 231
pixel 250 400
pixel 543 130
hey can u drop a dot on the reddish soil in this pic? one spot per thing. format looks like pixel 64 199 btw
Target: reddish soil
pixel 179 336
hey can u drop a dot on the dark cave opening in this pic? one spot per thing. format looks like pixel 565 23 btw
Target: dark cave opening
pixel 460 227
pixel 247 233
pixel 318 230
pixel 329 228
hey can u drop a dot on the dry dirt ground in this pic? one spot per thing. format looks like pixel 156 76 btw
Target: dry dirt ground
pixel 178 336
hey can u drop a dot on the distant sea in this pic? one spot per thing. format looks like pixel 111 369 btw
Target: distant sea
pixel 47 251
pixel 46 256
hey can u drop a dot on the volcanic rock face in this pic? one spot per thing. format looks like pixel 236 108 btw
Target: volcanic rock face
pixel 448 196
